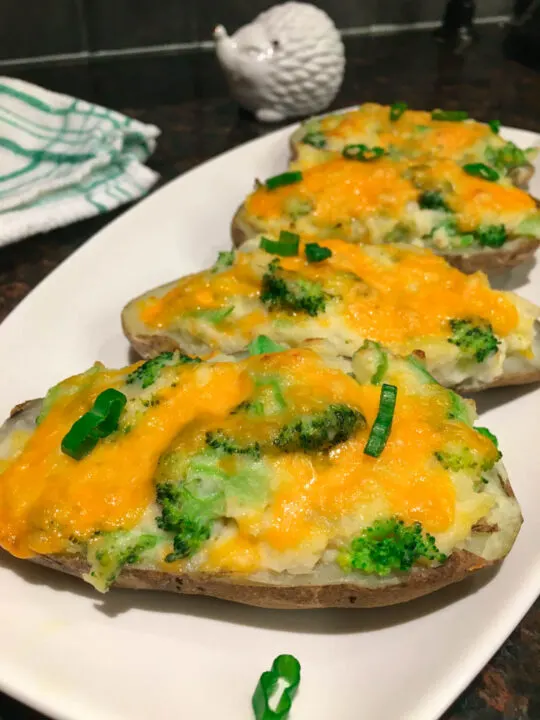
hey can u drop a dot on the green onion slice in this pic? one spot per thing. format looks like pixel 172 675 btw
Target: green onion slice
pixel 397 110
pixel 449 115
pixel 99 422
pixel 482 171
pixel 316 139
pixel 380 431
pixel 287 178
pixel 282 679
pixel 317 253
pixel 362 153
pixel 286 246
pixel 495 126
pixel 263 344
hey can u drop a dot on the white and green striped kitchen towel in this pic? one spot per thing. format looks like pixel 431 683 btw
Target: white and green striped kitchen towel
pixel 63 159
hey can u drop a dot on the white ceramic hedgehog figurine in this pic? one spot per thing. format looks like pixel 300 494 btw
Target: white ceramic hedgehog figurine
pixel 288 62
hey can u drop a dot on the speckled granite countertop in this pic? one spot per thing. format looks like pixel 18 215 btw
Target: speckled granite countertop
pixel 186 97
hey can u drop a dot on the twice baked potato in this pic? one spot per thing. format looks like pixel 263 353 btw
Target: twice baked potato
pixel 283 480
pixel 475 222
pixel 404 298
pixel 411 134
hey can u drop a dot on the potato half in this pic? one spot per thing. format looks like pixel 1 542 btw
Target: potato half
pixel 400 296
pixel 249 481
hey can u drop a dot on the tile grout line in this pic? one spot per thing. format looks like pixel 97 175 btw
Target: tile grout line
pixel 206 45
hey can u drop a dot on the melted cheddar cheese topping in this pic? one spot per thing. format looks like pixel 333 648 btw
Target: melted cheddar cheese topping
pixel 380 201
pixel 276 506
pixel 414 134
pixel 394 295
pixel 338 190
pixel 476 201
pixel 47 499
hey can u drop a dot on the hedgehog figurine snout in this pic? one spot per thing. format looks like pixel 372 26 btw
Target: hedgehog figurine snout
pixel 288 62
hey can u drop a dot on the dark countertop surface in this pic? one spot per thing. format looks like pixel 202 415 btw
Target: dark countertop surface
pixel 185 95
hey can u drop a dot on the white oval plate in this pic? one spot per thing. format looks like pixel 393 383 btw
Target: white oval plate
pixel 136 655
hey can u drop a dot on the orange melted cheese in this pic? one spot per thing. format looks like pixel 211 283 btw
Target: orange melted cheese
pixel 415 132
pixel 202 291
pixel 318 491
pixel 415 295
pixel 340 189
pixel 47 498
pixel 412 296
pixel 315 491
pixel 474 199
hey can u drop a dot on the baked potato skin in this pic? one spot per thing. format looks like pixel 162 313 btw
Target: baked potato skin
pixel 506 380
pixel 459 565
pixel 515 252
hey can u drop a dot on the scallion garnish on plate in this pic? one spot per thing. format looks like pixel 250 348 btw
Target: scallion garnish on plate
pixel 275 691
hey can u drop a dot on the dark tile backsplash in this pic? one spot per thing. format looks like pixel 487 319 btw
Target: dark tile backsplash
pixel 48 27
pixel 118 24
pixel 78 26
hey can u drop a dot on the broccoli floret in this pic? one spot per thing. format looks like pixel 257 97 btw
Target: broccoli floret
pixel 507 157
pixel 320 431
pixel 474 338
pixel 130 555
pixel 53 394
pixel 491 235
pixel 432 200
pixel 224 260
pixel 268 398
pixel 281 290
pixel 189 536
pixel 315 138
pixel 148 372
pixel 459 410
pixel 219 441
pixel 64 388
pixel 465 459
pixel 187 517
pixel 114 551
pixel 487 433
pixel 388 546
